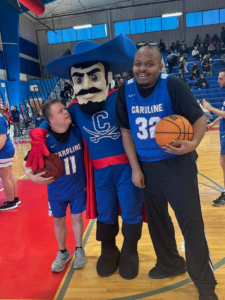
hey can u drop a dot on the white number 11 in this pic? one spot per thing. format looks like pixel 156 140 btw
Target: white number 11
pixel 67 165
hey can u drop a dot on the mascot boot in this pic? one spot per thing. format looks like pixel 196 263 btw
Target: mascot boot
pixel 109 259
pixel 129 260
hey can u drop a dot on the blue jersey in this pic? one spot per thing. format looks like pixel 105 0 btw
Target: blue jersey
pixel 222 124
pixel 100 132
pixel 73 178
pixel 8 149
pixel 144 114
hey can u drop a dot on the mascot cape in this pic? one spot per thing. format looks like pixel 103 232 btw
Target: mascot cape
pixel 119 60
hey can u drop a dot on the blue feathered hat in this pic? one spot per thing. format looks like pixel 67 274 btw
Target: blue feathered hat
pixel 118 53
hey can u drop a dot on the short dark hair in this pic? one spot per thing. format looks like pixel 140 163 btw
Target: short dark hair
pixel 153 48
pixel 222 70
pixel 88 64
pixel 46 108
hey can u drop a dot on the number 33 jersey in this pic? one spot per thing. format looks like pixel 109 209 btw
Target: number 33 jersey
pixel 144 114
pixel 73 179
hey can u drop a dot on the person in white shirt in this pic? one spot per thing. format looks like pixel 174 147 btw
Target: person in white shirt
pixel 195 53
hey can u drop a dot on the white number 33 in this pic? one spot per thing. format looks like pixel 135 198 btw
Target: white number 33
pixel 147 128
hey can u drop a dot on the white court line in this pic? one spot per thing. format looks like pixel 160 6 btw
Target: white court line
pixel 17 180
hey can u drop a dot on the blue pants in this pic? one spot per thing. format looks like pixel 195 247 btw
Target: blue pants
pixel 113 184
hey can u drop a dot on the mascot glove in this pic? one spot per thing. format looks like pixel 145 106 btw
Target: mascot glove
pixel 38 149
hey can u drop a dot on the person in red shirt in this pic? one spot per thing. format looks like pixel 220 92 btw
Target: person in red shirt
pixel 5 110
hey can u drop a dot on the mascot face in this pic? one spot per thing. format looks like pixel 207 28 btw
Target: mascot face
pixel 91 86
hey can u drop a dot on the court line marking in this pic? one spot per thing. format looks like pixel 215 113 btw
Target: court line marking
pixel 212 187
pixel 72 270
pixel 167 288
pixel 217 184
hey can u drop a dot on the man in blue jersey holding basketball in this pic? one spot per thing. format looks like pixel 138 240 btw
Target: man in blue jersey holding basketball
pixel 91 67
pixel 166 175
pixel 220 201
pixel 65 140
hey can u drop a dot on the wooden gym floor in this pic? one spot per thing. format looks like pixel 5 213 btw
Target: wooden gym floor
pixel 85 284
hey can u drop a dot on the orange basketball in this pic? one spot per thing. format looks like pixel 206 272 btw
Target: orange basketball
pixel 171 128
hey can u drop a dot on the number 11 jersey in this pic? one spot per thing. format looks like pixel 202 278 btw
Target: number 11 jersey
pixel 73 179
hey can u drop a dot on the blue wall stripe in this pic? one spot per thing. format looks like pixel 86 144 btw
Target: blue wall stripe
pixel 29 67
pixel 28 48
pixel 2 64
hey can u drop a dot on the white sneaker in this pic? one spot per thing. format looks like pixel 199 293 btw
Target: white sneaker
pixel 80 259
pixel 60 261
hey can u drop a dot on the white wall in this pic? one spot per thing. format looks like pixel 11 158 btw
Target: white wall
pixel 28 29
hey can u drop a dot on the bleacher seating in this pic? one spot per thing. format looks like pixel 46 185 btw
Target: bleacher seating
pixel 215 95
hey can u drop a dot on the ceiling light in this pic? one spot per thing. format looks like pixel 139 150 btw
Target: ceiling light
pixel 172 15
pixel 82 26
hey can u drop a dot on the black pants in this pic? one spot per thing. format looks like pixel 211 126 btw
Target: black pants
pixel 196 56
pixel 174 181
pixel 200 86
pixel 170 67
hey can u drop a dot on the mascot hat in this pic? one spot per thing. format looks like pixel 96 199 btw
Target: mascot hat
pixel 118 53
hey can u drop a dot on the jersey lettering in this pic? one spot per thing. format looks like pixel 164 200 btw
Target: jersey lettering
pixel 67 165
pixel 143 133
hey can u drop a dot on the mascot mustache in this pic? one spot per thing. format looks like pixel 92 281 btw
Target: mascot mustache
pixel 92 90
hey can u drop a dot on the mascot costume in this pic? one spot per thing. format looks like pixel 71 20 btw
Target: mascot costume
pixel 91 68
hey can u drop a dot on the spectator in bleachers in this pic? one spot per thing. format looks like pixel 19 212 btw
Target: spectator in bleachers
pixel 206 67
pixel 215 39
pixel 183 48
pixel 183 64
pixel 192 81
pixel 206 111
pixel 211 60
pixel 177 46
pixel 222 48
pixel 202 50
pixel 162 46
pixel 197 41
pixel 38 118
pixel 195 70
pixel 171 61
pixel 195 53
pixel 172 48
pixel 207 37
pixel 181 76
pixel 202 82
pixel 206 45
pixel 222 34
pixel 212 48
pixel 222 59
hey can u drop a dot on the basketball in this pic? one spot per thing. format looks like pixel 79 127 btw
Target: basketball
pixel 171 128
pixel 53 167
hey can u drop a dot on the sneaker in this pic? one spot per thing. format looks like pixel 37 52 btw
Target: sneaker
pixel 80 259
pixel 211 296
pixel 8 205
pixel 60 261
pixel 220 201
pixel 17 201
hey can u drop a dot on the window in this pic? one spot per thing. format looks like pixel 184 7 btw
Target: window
pixel 69 35
pixel 122 27
pixel 211 17
pixel 137 26
pixel 194 19
pixel 156 24
pixel 169 23
pixel 54 38
pixel 99 31
pixel 84 34
pixel 222 15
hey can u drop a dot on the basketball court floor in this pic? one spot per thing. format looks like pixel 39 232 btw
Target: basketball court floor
pixel 28 246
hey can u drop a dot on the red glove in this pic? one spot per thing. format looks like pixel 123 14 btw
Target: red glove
pixel 38 149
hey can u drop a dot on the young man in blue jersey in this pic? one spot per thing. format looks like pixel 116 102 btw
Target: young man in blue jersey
pixel 220 201
pixel 166 175
pixel 91 67
pixel 65 140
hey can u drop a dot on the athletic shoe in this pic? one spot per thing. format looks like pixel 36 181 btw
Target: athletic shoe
pixel 8 205
pixel 17 201
pixel 220 201
pixel 80 259
pixel 60 261
pixel 212 296
pixel 155 274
